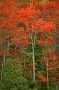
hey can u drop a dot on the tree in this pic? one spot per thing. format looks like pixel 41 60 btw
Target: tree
pixel 46 41
pixel 23 28
pixel 13 76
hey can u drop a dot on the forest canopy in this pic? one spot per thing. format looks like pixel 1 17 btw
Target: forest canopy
pixel 29 44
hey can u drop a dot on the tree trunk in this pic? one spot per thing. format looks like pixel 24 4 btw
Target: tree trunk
pixel 33 63
pixel 8 47
pixel 24 65
pixel 57 87
pixel 47 77
pixel 33 54
pixel 1 72
pixel 1 75
pixel 4 58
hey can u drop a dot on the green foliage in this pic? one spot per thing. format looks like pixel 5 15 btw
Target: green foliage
pixel 25 0
pixel 38 50
pixel 13 77
pixel 34 89
pixel 41 66
pixel 0 65
pixel 33 85
pixel 53 88
pixel 13 72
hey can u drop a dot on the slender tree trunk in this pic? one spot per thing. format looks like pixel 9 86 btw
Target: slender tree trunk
pixel 47 77
pixel 4 58
pixel 1 72
pixel 24 66
pixel 33 63
pixel 8 47
pixel 33 54
pixel 57 87
pixel 47 65
pixel 1 75
pixel 33 37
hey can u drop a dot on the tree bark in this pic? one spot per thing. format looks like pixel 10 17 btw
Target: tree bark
pixel 47 77
pixel 33 54
pixel 57 87
pixel 1 72
pixel 4 58
pixel 8 47
pixel 33 63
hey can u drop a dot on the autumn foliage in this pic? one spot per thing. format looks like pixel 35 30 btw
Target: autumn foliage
pixel 22 26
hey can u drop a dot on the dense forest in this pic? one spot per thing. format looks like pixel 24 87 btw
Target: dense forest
pixel 29 44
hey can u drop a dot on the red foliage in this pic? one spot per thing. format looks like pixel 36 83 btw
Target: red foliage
pixel 44 59
pixel 53 58
pixel 49 27
pixel 51 52
pixel 54 78
pixel 14 53
pixel 28 12
pixel 1 53
pixel 51 11
pixel 29 16
pixel 43 79
pixel 41 42
pixel 50 39
pixel 51 69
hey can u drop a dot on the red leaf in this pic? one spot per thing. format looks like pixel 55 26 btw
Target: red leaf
pixel 53 58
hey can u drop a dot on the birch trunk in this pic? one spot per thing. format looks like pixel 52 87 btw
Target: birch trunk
pixel 33 54
pixel 33 63
pixel 47 77
pixel 33 37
